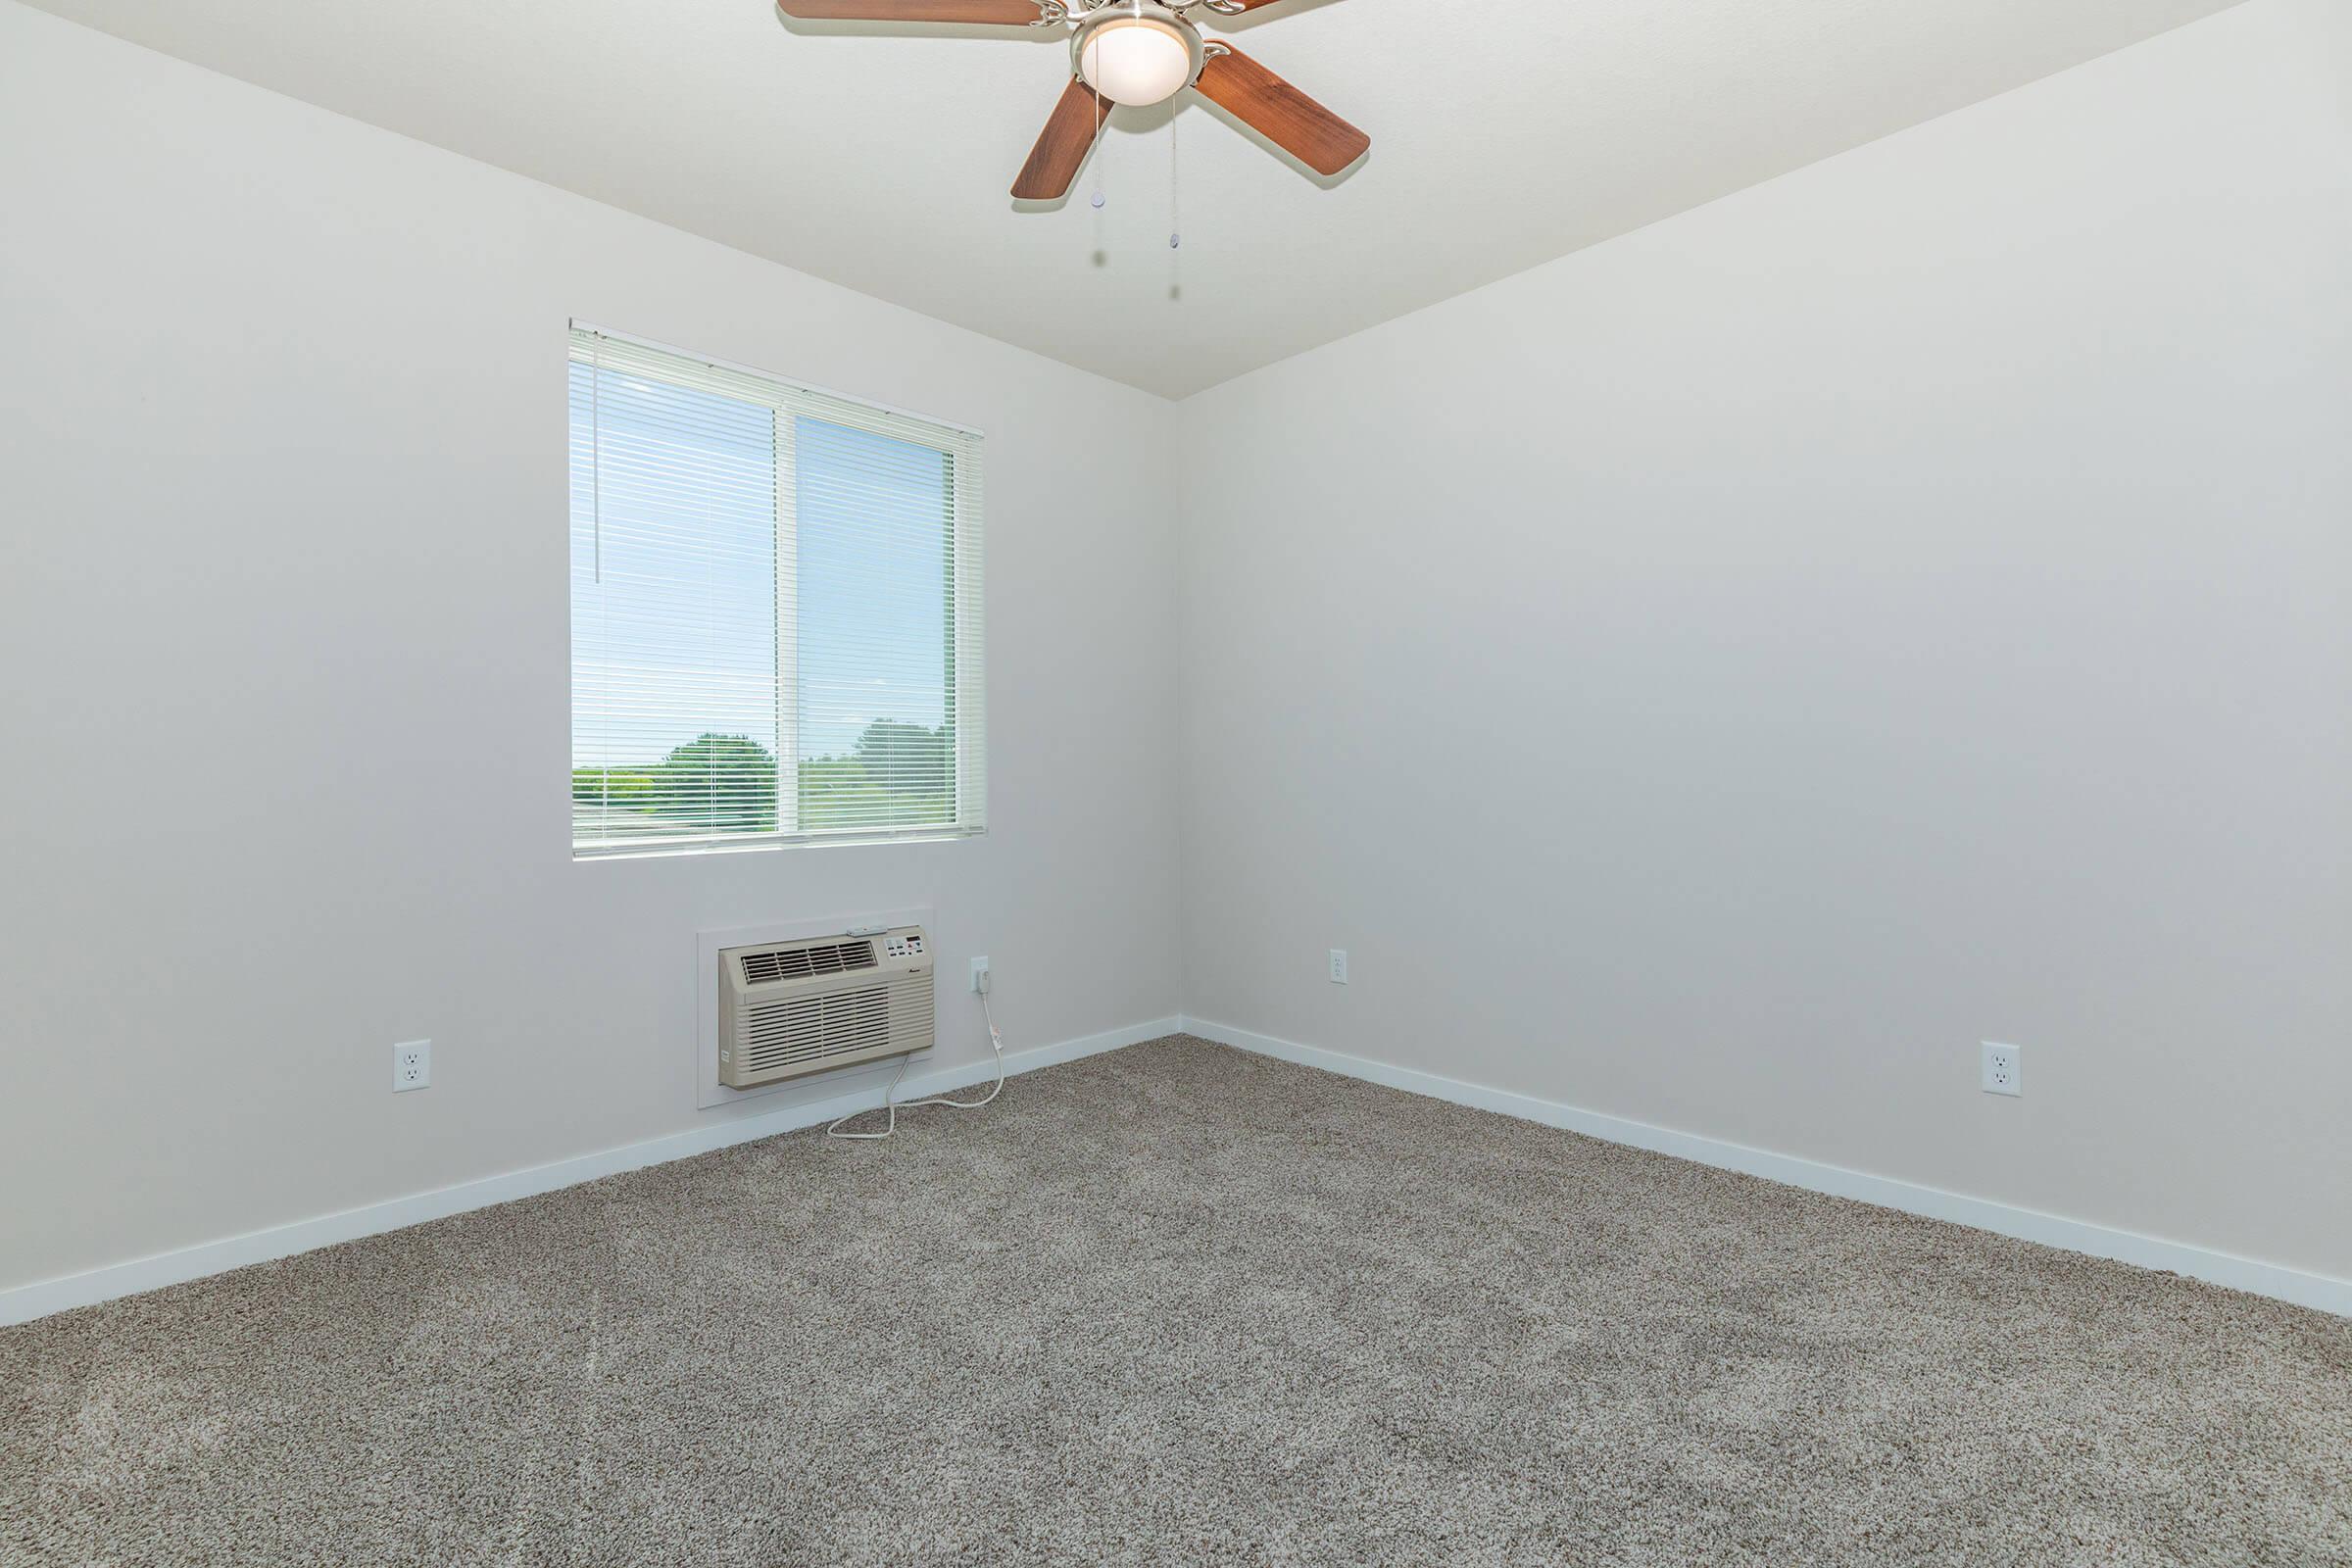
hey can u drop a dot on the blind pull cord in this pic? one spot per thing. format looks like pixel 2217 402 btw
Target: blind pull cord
pixel 596 455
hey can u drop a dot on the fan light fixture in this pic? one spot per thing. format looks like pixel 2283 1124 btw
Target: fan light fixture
pixel 1140 54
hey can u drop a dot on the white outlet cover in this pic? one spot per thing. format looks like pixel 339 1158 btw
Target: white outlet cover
pixel 1339 966
pixel 412 1066
pixel 2003 1069
pixel 981 978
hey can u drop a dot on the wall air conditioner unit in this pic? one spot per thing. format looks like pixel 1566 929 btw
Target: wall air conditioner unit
pixel 791 1008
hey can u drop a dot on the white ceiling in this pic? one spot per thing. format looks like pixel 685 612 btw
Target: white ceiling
pixel 1504 134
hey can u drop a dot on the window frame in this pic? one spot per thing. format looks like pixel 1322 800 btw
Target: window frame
pixel 964 603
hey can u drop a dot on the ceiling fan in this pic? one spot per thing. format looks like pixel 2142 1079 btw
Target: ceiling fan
pixel 1133 52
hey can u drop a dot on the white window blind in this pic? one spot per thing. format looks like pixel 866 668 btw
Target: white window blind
pixel 775 610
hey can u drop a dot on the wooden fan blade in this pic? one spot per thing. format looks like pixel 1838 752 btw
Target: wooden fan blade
pixel 1062 145
pixel 985 13
pixel 1280 113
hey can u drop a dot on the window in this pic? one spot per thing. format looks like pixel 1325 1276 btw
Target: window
pixel 775 610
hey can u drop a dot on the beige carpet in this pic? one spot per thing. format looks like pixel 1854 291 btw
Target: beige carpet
pixel 1179 1304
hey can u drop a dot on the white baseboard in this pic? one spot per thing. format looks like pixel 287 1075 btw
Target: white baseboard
pixel 2320 1291
pixel 24 1303
pixel 44 1297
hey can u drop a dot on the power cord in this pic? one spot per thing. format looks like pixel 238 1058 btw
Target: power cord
pixel 890 1101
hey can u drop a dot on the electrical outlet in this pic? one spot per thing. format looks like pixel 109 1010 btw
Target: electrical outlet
pixel 412 1066
pixel 980 978
pixel 1339 966
pixel 2004 1069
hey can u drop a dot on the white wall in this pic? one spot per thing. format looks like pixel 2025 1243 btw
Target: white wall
pixel 283 614
pixel 1720 677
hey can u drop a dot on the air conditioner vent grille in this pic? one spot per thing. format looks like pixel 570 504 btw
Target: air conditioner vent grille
pixel 801 963
pixel 777 1034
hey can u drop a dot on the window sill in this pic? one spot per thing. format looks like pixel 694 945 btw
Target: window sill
pixel 672 848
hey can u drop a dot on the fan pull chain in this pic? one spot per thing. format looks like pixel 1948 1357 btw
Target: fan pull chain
pixel 1175 215
pixel 1095 172
pixel 1175 209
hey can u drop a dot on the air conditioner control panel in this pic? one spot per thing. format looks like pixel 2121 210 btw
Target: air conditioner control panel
pixel 903 945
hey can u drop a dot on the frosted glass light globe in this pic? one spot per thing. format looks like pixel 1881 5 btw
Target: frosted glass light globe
pixel 1136 60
